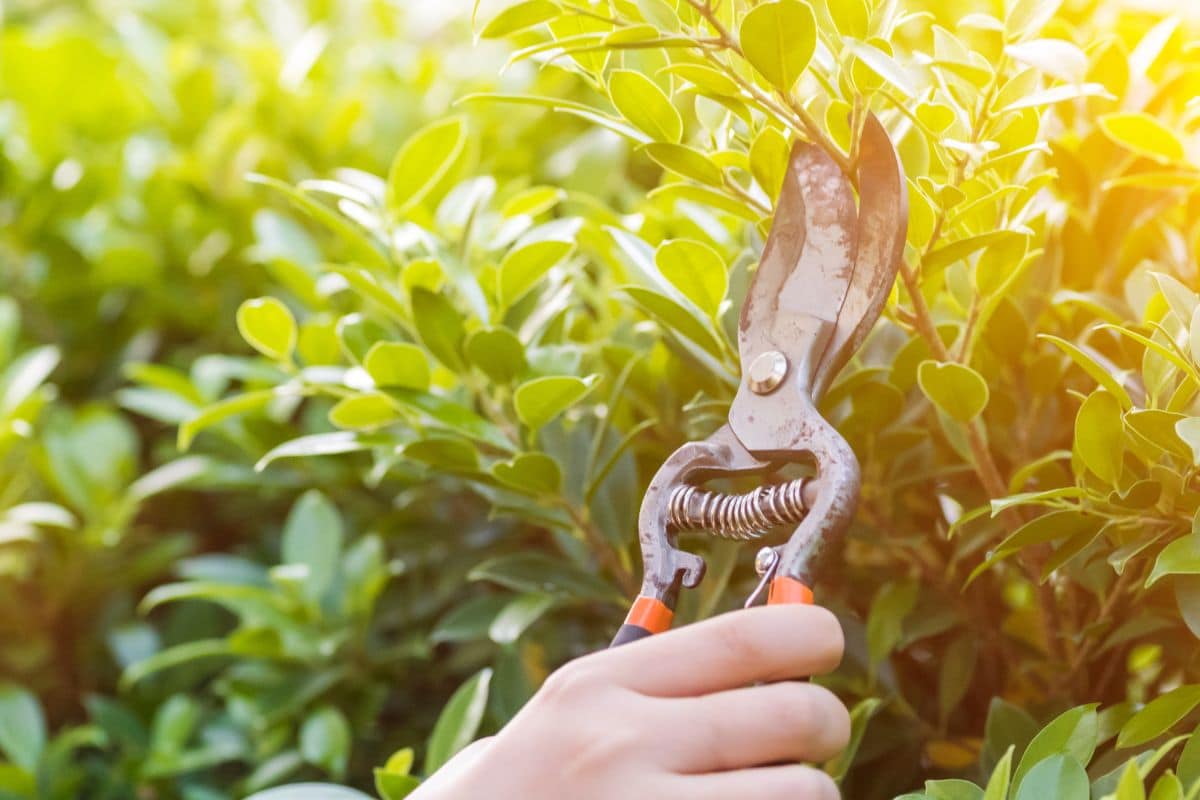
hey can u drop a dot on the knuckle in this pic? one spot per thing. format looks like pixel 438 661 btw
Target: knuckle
pixel 739 640
pixel 571 684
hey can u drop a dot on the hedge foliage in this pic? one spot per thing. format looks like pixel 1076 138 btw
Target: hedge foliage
pixel 337 351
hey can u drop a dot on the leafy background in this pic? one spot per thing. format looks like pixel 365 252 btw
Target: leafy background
pixel 336 349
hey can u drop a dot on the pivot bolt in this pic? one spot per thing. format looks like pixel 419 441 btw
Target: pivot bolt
pixel 767 371
pixel 764 560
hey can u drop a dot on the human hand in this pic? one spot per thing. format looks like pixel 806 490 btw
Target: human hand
pixel 711 711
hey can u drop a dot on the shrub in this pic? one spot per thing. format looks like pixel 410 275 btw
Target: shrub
pixel 480 358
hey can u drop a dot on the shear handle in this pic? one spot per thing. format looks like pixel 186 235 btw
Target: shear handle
pixel 646 617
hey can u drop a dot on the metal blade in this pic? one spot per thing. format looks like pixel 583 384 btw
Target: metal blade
pixel 882 230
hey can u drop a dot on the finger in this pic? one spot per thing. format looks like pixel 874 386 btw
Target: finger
pixel 760 725
pixel 765 643
pixel 792 782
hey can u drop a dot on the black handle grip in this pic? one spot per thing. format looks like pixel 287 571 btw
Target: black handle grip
pixel 629 633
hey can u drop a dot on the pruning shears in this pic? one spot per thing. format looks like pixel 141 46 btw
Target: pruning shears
pixel 826 271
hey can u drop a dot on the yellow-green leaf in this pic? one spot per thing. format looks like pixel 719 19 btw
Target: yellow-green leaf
pixel 647 107
pixel 706 79
pixel 696 270
pixel 423 161
pixel 524 266
pixel 519 17
pixel 687 161
pixel 956 389
pixel 268 326
pixel 769 160
pixel 542 399
pixel 531 473
pixel 398 364
pixel 1180 557
pixel 364 412
pixel 439 326
pixel 497 352
pixel 1159 715
pixel 1144 135
pixel 1099 435
pixel 659 13
pixel 778 39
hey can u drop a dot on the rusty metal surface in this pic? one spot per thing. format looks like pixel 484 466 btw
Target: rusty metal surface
pixel 825 273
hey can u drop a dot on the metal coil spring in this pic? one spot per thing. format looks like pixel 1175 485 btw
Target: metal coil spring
pixel 737 516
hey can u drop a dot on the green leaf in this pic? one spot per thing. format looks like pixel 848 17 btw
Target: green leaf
pixel 440 327
pixel 516 617
pixel 687 161
pixel 1130 787
pixel 459 721
pixel 180 654
pixel 1167 787
pixel 1055 57
pixel 422 163
pixel 533 572
pixel 1072 734
pixel 1180 557
pixel 860 717
pixel 885 622
pixel 497 352
pixel 674 317
pixel 1144 135
pixel 313 537
pixel 519 17
pixel 997 786
pixel 1188 766
pixel 706 79
pixel 1087 361
pixel 659 13
pixel 952 789
pixel 390 786
pixel 542 399
pixel 24 375
pixel 531 473
pixel 523 267
pixel 325 741
pixel 1059 777
pixel 22 727
pixel 956 389
pixel 1007 726
pixel 453 416
pixel 319 444
pixel 450 455
pixel 769 160
pixel 1189 431
pixel 647 107
pixel 778 39
pixel 1100 436
pixel 268 326
pixel 882 65
pixel 397 364
pixel 225 409
pixel 364 412
pixel 1057 94
pixel 696 270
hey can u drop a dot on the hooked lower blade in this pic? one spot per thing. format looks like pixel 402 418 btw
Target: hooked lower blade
pixel 882 231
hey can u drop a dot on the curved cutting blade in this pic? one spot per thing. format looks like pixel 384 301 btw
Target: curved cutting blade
pixel 882 230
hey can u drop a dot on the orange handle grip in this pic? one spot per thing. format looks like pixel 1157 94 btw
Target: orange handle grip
pixel 789 590
pixel 647 617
